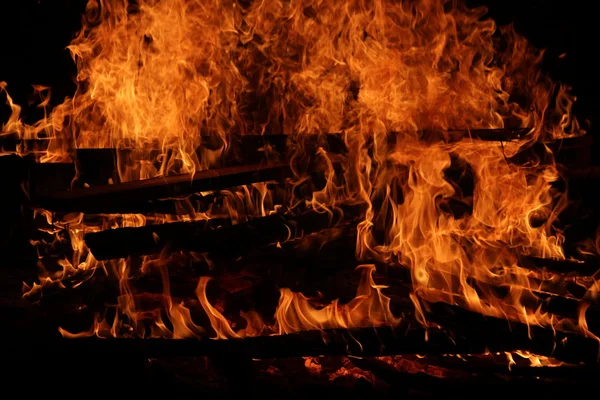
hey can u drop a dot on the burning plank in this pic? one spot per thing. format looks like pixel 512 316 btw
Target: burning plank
pixel 210 235
pixel 13 143
pixel 463 332
pixel 532 300
pixel 564 299
pixel 97 165
pixel 123 197
pixel 123 242
pixel 579 268
pixel 478 365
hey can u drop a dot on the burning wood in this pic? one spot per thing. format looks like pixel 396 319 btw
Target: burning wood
pixel 121 197
pixel 467 333
pixel 249 143
pixel 426 176
pixel 214 235
pixel 575 267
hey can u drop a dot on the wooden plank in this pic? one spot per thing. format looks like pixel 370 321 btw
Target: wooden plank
pixel 465 333
pixel 574 267
pixel 218 236
pixel 12 141
pixel 130 196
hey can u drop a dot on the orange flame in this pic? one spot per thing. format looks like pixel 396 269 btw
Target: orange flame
pixel 155 76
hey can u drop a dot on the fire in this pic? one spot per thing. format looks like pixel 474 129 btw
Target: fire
pixel 443 251
pixel 370 307
pixel 155 75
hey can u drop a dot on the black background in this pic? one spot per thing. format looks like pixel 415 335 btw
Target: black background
pixel 34 35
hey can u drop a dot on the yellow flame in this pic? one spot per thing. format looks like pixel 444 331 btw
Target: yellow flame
pixel 155 75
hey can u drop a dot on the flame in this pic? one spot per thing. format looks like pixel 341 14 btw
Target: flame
pixel 370 307
pixel 296 312
pixel 444 252
pixel 156 75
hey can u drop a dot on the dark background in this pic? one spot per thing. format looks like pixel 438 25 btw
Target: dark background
pixel 34 35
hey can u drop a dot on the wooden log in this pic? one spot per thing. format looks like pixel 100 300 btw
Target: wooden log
pixel 336 140
pixel 455 135
pixel 498 365
pixel 391 374
pixel 147 243
pixel 285 266
pixel 335 143
pixel 201 236
pixel 316 277
pixel 472 372
pixel 9 142
pixel 125 242
pixel 12 143
pixel 472 321
pixel 560 296
pixel 578 268
pixel 535 339
pixel 249 149
pixel 130 196
pixel 294 265
pixel 252 149
pixel 45 180
pixel 547 302
pixel 465 333
pixel 549 299
pixel 96 166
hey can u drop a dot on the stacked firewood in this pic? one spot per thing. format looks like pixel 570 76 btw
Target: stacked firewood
pixel 300 248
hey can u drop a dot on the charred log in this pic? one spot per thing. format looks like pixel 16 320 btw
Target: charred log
pixel 127 196
pixel 587 268
pixel 203 237
pixel 12 142
pixel 498 365
pixel 289 264
pixel 391 374
pixel 463 332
